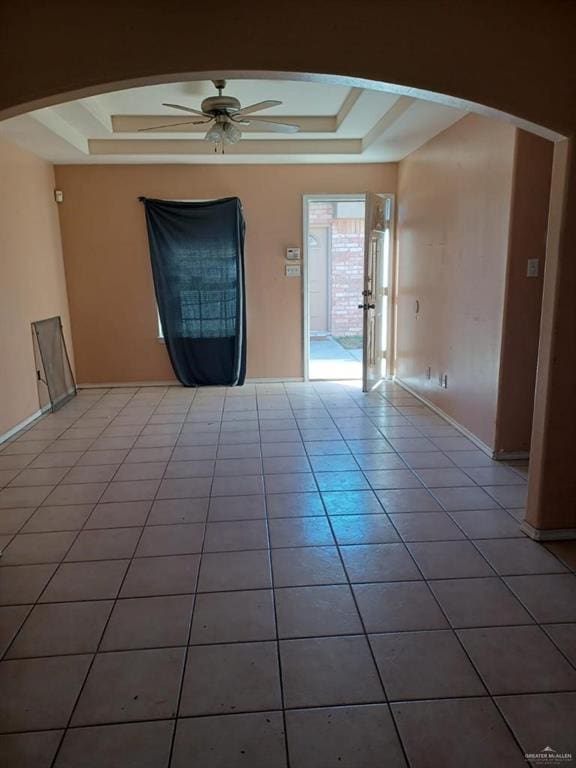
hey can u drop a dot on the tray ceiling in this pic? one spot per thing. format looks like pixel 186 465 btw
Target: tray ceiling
pixel 338 124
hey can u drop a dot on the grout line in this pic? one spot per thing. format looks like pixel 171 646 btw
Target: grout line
pixel 94 655
pixel 466 653
pixel 277 639
pixel 309 707
pixel 91 664
pixel 322 399
pixel 191 623
pixel 36 602
pixel 365 635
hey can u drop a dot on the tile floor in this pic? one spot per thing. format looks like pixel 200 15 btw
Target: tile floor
pixel 279 575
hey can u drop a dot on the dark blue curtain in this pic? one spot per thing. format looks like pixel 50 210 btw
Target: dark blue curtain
pixel 197 253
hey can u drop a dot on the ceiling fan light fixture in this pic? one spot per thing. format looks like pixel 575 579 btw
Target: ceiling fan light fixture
pixel 223 133
pixel 232 133
pixel 215 134
pixel 228 114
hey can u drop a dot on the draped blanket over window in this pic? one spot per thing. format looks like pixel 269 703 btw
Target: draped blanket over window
pixel 197 253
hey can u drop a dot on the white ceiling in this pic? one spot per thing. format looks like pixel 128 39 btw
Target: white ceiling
pixel 338 124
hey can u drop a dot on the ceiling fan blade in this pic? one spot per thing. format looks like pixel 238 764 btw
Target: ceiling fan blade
pixel 173 125
pixel 265 125
pixel 185 109
pixel 257 107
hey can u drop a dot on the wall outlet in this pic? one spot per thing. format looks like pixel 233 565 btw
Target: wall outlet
pixel 533 268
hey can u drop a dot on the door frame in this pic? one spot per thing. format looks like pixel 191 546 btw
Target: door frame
pixel 306 199
pixel 389 338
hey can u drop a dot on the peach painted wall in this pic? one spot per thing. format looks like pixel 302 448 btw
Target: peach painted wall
pixel 454 198
pixel 32 281
pixel 523 299
pixel 108 266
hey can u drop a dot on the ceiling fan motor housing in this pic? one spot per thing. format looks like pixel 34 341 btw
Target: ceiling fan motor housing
pixel 220 105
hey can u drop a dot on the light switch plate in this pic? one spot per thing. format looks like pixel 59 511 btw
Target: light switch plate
pixel 293 270
pixel 533 268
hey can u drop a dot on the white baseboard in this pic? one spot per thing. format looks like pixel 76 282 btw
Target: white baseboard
pixel 23 424
pixel 551 534
pixel 466 432
pixel 66 396
pixel 276 380
pixel 511 456
pixel 118 384
pixel 174 383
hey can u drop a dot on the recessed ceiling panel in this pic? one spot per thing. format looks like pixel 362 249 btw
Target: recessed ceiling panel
pixel 338 124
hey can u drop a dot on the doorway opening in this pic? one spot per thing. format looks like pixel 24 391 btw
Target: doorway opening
pixel 348 271
pixel 334 237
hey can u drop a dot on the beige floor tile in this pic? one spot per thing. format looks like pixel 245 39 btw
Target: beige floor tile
pixel 62 628
pixel 223 617
pixel 316 611
pixel 34 749
pixel 424 665
pixel 325 737
pixel 427 729
pixel 232 678
pixel 148 622
pixel 128 686
pixel 398 606
pixel 255 739
pixel 146 745
pixel 39 694
pixel 329 671
pixel 224 571
pixel 379 562
pixel 307 566
pixel 518 660
pixel 175 575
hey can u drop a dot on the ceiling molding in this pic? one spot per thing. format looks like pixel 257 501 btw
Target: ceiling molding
pixel 400 106
pixel 245 147
pixel 134 123
pixel 347 105
pixel 92 106
pixel 51 120
pixel 338 124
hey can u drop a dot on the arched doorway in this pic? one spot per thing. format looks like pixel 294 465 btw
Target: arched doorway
pixel 481 52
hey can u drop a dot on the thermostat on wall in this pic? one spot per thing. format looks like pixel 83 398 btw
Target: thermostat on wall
pixel 293 253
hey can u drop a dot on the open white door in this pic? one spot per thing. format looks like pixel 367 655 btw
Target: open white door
pixel 376 303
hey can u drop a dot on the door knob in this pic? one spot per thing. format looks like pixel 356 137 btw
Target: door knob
pixel 366 306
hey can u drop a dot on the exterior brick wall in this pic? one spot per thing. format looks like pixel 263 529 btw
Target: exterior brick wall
pixel 321 213
pixel 347 276
pixel 346 279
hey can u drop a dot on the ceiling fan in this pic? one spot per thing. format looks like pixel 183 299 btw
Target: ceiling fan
pixel 226 115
